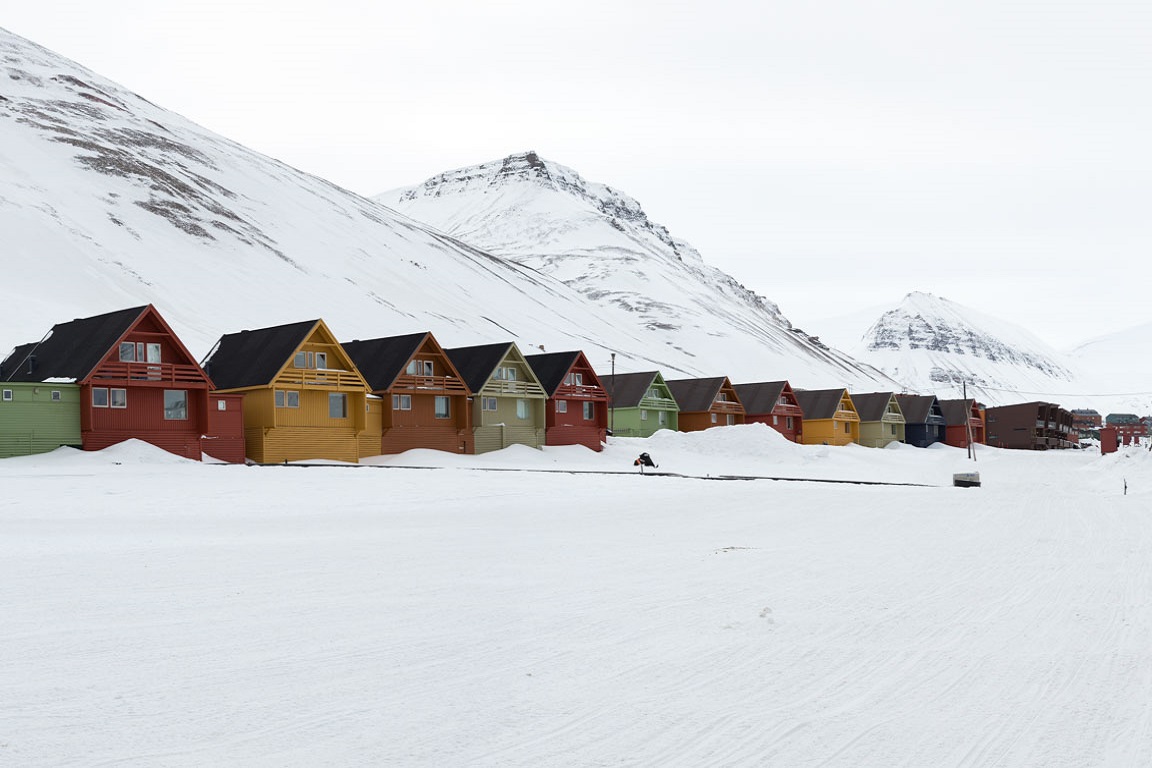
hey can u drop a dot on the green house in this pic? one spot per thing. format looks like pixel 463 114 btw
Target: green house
pixel 881 419
pixel 38 417
pixel 639 404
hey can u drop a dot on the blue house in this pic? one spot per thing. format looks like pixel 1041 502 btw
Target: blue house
pixel 923 420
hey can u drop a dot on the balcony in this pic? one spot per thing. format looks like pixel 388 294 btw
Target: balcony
pixel 159 373
pixel 319 378
pixel 447 384
pixel 505 387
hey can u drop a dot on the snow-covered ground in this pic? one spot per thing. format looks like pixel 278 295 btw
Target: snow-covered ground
pixel 159 612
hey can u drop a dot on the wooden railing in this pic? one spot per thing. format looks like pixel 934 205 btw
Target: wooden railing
pixel 164 373
pixel 658 403
pixel 437 383
pixel 726 406
pixel 503 387
pixel 322 378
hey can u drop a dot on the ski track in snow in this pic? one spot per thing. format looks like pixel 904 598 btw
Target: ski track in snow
pixel 160 612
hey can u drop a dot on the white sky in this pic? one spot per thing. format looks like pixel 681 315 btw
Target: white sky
pixel 832 156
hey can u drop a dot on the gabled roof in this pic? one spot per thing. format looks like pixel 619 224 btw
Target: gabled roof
pixel 476 364
pixel 820 403
pixel 760 397
pixel 71 350
pixel 696 394
pixel 956 412
pixel 916 408
pixel 551 368
pixel 254 358
pixel 871 406
pixel 381 361
pixel 626 390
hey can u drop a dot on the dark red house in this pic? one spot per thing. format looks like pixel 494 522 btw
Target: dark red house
pixel 772 403
pixel 577 408
pixel 137 380
pixel 960 416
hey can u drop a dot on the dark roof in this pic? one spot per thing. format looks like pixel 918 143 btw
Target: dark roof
pixel 380 361
pixel 550 368
pixel 626 390
pixel 917 408
pixel 819 403
pixel 870 406
pixel 1085 412
pixel 956 412
pixel 695 394
pixel 72 350
pixel 476 364
pixel 760 397
pixel 253 358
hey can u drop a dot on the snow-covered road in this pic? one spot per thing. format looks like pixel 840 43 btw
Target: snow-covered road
pixel 158 612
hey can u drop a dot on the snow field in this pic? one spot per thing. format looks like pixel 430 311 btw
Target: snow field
pixel 163 612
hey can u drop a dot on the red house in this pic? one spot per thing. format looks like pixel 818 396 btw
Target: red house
pixel 959 417
pixel 577 408
pixel 706 403
pixel 137 380
pixel 772 403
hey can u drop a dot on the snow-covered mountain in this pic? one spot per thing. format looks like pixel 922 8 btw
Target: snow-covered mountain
pixel 1120 364
pixel 599 241
pixel 109 201
pixel 936 345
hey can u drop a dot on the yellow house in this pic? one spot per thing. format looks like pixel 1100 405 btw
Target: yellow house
pixel 830 418
pixel 303 397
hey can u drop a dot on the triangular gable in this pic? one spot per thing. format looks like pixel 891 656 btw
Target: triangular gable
pixel 626 390
pixel 553 367
pixel 515 355
pixel 764 396
pixel 320 334
pixel 873 406
pixel 478 363
pixel 151 313
pixel 697 395
pixel 381 361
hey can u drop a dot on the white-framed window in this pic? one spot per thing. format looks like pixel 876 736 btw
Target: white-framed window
pixel 521 409
pixel 56 397
pixel 561 406
pixel 892 429
pixel 337 405
pixel 321 359
pixel 401 402
pixel 775 420
pixel 301 360
pixel 127 352
pixel 176 404
pixel 506 373
pixel 99 397
pixel 420 368
pixel 653 392
pixel 713 418
pixel 721 397
pixel 443 407
pixel 279 398
pixel 488 404
pixel 118 398
pixel 643 415
pixel 304 359
pixel 287 398
pixel 662 417
pixel 731 419
pixel 788 422
pixel 7 396
pixel 221 405
pixel 589 410
pixel 153 353
pixel 574 379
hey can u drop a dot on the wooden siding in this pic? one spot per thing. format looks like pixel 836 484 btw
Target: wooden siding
pixel 695 422
pixel 570 427
pixel 837 431
pixel 629 422
pixel 494 437
pixel 143 418
pixel 224 438
pixel 32 422
pixel 779 422
pixel 369 439
pixel 877 434
pixel 281 444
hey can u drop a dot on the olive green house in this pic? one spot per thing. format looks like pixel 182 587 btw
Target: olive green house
pixel 507 397
pixel 37 417
pixel 881 419
pixel 639 404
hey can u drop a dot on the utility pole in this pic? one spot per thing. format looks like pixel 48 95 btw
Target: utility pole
pixel 612 399
pixel 968 423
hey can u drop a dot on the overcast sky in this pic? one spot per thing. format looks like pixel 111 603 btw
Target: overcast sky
pixel 832 156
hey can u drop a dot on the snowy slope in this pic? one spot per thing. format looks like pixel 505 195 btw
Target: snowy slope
pixel 160 612
pixel 1120 364
pixel 599 241
pixel 934 345
pixel 108 201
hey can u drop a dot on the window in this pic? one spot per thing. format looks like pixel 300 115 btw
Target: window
pixel 662 417
pixel 99 397
pixel 713 418
pixel 279 398
pixel 153 353
pixel 644 415
pixel 127 352
pixel 506 374
pixel 337 405
pixel 221 405
pixel 561 406
pixel 429 369
pixel 574 379
pixel 287 399
pixel 892 429
pixel 420 368
pixel 55 395
pixel 589 411
pixel 731 419
pixel 300 360
pixel 401 402
pixel 788 422
pixel 721 397
pixel 118 398
pixel 488 404
pixel 310 360
pixel 521 409
pixel 321 359
pixel 654 393
pixel 7 395
pixel 775 420
pixel 176 404
pixel 443 407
